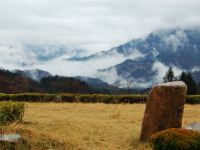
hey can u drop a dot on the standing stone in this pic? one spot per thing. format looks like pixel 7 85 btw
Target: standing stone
pixel 164 108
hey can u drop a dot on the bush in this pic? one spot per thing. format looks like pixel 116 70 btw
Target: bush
pixel 68 98
pixel 176 139
pixel 193 99
pixel 85 98
pixel 11 112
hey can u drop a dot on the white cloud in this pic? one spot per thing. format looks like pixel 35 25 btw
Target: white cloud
pixel 176 39
pixel 103 23
pixel 161 71
pixel 15 55
pixel 62 66
pixel 195 69
pixel 111 76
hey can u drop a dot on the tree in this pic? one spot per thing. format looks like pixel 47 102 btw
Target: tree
pixel 183 76
pixel 169 76
pixel 190 82
pixel 198 87
pixel 129 85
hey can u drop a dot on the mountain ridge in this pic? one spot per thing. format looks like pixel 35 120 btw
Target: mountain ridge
pixel 179 48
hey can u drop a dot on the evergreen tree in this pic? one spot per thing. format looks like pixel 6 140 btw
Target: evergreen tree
pixel 191 84
pixel 169 76
pixel 198 87
pixel 183 76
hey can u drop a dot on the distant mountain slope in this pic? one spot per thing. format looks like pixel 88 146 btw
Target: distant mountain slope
pixel 18 83
pixel 145 60
pixel 99 85
pixel 15 83
pixel 60 84
pixel 35 74
pixel 44 52
pixel 179 48
pixel 95 83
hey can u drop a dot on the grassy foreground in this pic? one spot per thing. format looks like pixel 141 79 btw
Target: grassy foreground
pixel 87 126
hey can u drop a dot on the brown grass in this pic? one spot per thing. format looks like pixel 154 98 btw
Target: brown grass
pixel 87 126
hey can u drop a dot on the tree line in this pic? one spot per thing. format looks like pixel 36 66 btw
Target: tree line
pixel 192 86
pixel 16 83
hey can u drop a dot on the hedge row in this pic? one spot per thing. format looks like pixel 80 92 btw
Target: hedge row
pixel 193 99
pixel 85 98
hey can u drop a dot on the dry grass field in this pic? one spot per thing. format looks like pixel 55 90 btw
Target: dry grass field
pixel 87 126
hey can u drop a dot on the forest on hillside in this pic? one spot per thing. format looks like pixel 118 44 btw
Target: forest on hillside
pixel 15 83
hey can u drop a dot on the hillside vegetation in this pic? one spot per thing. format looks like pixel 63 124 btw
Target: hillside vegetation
pixel 16 83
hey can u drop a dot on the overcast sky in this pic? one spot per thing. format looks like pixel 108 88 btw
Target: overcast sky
pixel 92 24
pixel 30 29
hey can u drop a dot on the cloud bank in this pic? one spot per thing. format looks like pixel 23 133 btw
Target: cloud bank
pixel 95 25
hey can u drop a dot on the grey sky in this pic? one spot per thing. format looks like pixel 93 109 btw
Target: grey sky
pixel 92 24
pixel 88 26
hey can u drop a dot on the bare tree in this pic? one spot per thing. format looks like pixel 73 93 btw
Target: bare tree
pixel 129 85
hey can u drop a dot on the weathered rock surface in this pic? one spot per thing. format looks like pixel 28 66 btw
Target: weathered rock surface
pixel 194 126
pixel 164 108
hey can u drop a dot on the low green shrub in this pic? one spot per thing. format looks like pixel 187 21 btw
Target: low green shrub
pixel 176 139
pixel 68 98
pixel 193 99
pixel 11 112
pixel 108 99
pixel 85 98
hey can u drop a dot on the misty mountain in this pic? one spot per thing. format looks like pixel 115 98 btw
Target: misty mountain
pixel 179 48
pixel 98 84
pixel 35 74
pixel 95 83
pixel 18 83
pixel 144 60
pixel 60 84
pixel 44 52
pixel 15 83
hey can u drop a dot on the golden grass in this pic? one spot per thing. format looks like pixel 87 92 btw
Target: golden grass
pixel 88 126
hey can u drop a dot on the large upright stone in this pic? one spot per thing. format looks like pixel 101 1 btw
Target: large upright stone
pixel 164 108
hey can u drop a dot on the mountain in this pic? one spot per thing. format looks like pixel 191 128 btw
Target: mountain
pixel 59 84
pixel 35 74
pixel 38 75
pixel 45 52
pixel 177 48
pixel 146 60
pixel 95 83
pixel 18 83
pixel 99 85
pixel 143 61
pixel 15 83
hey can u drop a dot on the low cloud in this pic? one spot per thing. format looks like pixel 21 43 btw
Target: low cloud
pixel 176 39
pixel 97 25
pixel 161 70
pixel 195 69
pixel 15 56
pixel 89 68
